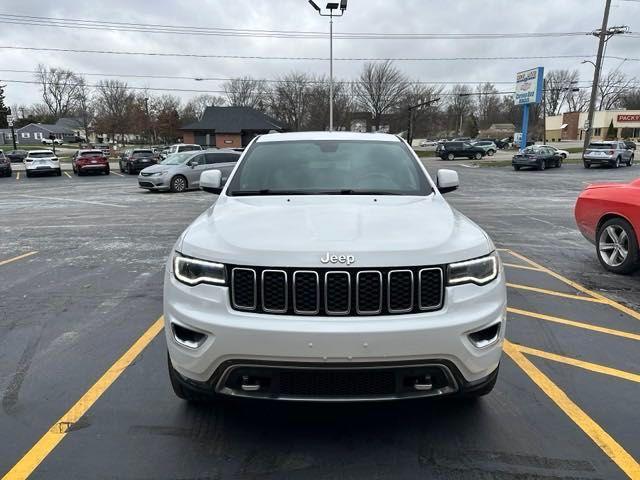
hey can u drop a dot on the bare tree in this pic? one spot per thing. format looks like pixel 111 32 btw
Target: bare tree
pixel 612 88
pixel 114 102
pixel 84 105
pixel 194 108
pixel 379 89
pixel 317 99
pixel 460 105
pixel 245 92
pixel 59 89
pixel 631 99
pixel 578 101
pixel 166 120
pixel 487 104
pixel 288 100
pixel 558 85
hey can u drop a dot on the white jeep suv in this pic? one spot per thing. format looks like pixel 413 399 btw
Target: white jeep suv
pixel 331 268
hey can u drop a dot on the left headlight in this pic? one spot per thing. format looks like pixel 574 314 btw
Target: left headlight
pixel 192 271
pixel 479 270
pixel 158 174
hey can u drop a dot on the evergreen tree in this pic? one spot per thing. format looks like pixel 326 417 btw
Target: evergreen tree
pixel 611 132
pixel 3 109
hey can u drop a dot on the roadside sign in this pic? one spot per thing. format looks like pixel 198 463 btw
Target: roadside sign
pixel 529 86
pixel 586 125
pixel 10 122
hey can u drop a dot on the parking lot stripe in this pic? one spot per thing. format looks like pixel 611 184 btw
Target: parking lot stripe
pixel 18 176
pixel 43 447
pixel 577 286
pixel 554 293
pixel 67 174
pixel 573 323
pixel 24 255
pixel 523 267
pixel 118 174
pixel 73 200
pixel 594 367
pixel 594 431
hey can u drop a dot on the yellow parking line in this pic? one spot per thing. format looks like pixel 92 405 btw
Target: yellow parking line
pixel 118 174
pixel 43 447
pixel 554 293
pixel 523 267
pixel 24 255
pixel 594 367
pixel 573 323
pixel 67 174
pixel 594 431
pixel 577 286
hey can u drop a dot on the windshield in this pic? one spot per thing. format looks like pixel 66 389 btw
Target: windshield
pixel 142 153
pixel 329 167
pixel 601 146
pixel 41 155
pixel 177 158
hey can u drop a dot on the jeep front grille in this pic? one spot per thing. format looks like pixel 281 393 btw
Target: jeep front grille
pixel 385 291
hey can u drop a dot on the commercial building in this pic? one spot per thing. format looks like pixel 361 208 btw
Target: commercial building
pixel 229 127
pixel 570 125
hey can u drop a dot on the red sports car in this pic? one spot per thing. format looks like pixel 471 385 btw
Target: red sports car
pixel 608 215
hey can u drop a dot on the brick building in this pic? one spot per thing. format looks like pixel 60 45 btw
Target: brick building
pixel 570 125
pixel 229 127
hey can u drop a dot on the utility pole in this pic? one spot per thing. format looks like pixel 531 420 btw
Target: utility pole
pixel 603 34
pixel 412 109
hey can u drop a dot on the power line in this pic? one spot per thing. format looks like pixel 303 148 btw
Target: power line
pixel 259 57
pixel 42 21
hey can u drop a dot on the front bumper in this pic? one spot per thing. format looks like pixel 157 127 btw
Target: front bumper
pixel 439 338
pixel 153 183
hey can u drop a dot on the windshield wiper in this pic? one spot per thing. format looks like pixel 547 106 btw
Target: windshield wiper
pixel 268 191
pixel 350 191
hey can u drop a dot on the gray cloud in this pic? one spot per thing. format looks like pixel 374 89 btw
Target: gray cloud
pixel 422 16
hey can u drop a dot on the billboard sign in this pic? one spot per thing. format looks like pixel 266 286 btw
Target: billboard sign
pixel 529 86
pixel 628 117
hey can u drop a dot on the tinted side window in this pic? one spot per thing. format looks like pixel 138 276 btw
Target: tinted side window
pixel 199 159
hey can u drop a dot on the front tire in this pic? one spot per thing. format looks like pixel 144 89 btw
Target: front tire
pixel 178 184
pixel 451 156
pixel 617 246
pixel 491 153
pixel 630 162
pixel 58 173
pixel 586 164
pixel 542 165
pixel 616 164
pixel 477 156
pixel 516 168
pixel 559 163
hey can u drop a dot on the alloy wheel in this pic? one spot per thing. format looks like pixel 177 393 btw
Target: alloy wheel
pixel 613 245
pixel 178 184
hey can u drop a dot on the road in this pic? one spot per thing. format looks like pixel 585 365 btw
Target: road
pixel 81 291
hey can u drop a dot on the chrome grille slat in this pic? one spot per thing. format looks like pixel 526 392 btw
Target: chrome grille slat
pixel 336 292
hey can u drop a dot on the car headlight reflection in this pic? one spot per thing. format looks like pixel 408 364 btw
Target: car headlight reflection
pixel 479 270
pixel 192 271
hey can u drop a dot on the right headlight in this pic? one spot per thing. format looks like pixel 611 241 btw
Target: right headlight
pixel 193 271
pixel 479 270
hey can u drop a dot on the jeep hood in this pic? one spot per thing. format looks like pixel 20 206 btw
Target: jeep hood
pixel 297 231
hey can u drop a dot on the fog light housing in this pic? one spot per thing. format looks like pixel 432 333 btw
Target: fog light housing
pixel 485 337
pixel 187 337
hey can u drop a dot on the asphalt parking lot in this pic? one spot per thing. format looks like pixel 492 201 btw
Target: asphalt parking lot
pixel 84 386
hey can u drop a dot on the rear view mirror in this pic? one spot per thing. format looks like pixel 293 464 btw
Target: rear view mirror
pixel 447 180
pixel 211 181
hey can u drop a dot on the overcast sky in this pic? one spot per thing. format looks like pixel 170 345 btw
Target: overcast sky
pixel 388 16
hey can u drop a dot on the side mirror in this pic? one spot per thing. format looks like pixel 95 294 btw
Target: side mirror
pixel 447 180
pixel 211 181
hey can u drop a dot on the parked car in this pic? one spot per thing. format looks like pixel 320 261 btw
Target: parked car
pixel 85 161
pixel 181 171
pixel 48 141
pixel 489 147
pixel 105 148
pixel 612 154
pixel 608 215
pixel 134 160
pixel 16 155
pixel 537 157
pixel 287 276
pixel 5 165
pixel 41 161
pixel 462 139
pixel 504 143
pixel 630 144
pixel 428 143
pixel 451 150
pixel 563 153
pixel 179 148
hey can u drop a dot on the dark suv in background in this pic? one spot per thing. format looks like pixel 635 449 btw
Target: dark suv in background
pixel 451 150
pixel 133 161
pixel 5 166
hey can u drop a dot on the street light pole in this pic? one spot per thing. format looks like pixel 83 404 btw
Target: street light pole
pixel 412 109
pixel 331 6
